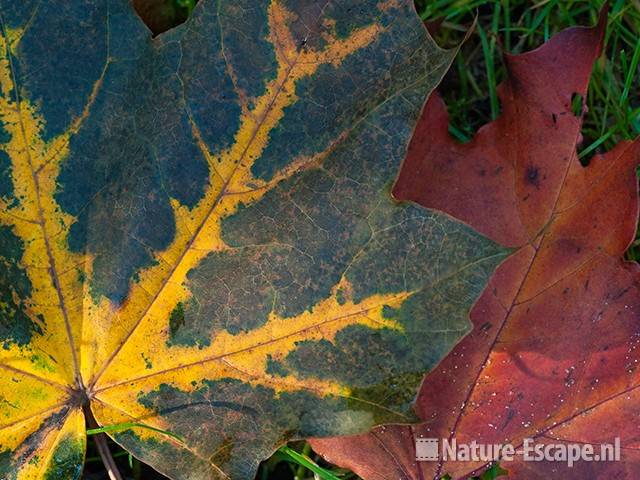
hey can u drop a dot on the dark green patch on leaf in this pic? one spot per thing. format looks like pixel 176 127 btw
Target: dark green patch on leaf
pixel 16 326
pixel 176 320
pixel 67 460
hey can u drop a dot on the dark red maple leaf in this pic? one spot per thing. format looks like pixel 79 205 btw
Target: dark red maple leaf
pixel 553 355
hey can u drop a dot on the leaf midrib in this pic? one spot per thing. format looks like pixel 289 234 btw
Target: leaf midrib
pixel 41 219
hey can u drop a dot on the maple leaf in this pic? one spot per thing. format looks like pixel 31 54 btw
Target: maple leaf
pixel 553 355
pixel 197 235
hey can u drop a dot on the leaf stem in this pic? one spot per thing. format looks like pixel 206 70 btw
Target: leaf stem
pixel 103 447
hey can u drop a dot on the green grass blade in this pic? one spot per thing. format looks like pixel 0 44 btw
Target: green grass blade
pixel 631 73
pixel 308 463
pixel 491 73
pixel 596 144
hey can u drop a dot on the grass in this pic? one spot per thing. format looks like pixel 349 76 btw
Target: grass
pixel 470 92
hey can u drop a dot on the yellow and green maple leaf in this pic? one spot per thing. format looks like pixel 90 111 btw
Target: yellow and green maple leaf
pixel 196 231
